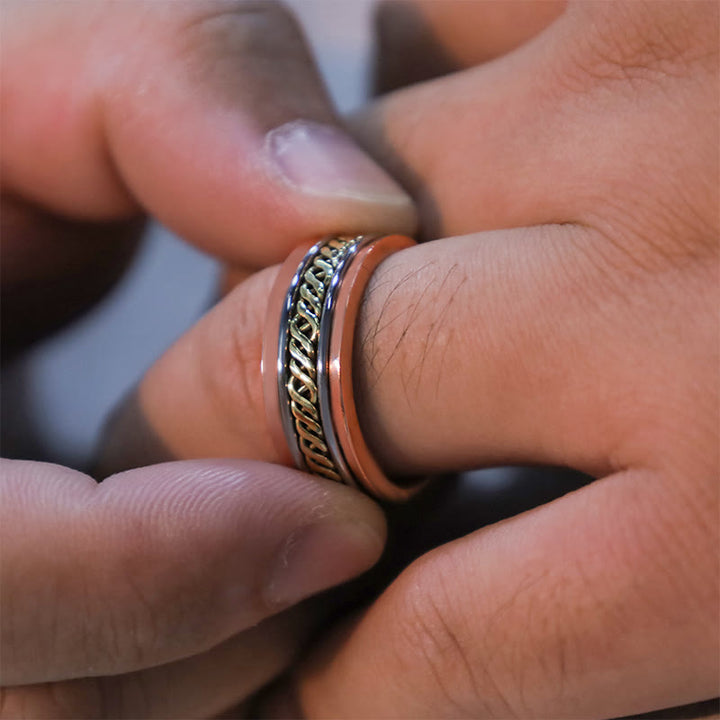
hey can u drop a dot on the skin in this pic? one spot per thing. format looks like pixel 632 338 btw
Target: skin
pixel 176 575
pixel 574 295
pixel 587 336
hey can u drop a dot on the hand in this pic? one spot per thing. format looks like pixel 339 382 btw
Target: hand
pixel 574 323
pixel 208 116
pixel 141 597
pixel 587 337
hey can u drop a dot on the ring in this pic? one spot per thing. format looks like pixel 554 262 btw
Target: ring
pixel 307 361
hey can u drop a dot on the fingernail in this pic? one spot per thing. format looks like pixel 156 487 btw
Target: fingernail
pixel 322 160
pixel 319 556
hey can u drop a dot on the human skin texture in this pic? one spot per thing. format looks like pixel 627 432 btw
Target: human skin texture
pixel 568 316
pixel 159 592
pixel 584 300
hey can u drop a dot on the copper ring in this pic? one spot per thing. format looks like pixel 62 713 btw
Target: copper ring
pixel 307 361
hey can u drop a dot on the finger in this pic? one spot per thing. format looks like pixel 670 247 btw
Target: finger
pixel 220 411
pixel 455 366
pixel 421 39
pixel 210 683
pixel 538 135
pixel 53 269
pixel 601 604
pixel 198 686
pixel 216 123
pixel 163 562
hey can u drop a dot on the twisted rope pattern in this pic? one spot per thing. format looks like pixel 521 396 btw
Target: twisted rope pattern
pixel 304 329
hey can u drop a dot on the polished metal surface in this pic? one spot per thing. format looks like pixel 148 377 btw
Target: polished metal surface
pixel 323 358
pixel 309 435
pixel 286 416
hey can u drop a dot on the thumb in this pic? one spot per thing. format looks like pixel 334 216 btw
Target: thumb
pixel 163 562
pixel 210 116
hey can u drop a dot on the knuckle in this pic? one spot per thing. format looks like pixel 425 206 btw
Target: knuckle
pixel 644 42
pixel 529 652
pixel 680 535
pixel 518 654
pixel 434 631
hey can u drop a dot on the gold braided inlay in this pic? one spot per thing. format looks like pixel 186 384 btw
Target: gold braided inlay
pixel 304 329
